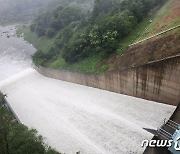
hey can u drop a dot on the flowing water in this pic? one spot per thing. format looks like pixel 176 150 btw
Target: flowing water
pixel 72 117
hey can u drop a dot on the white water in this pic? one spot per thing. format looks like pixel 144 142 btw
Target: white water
pixel 73 117
pixel 15 53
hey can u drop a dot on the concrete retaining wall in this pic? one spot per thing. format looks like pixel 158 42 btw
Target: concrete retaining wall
pixel 157 81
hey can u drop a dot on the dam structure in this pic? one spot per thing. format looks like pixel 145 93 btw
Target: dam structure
pixel 73 117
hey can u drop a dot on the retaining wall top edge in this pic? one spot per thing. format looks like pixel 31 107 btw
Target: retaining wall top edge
pixel 113 71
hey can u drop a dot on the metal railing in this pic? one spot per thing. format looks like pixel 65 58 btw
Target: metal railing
pixel 167 130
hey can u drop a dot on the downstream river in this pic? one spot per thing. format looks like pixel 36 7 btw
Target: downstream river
pixel 72 117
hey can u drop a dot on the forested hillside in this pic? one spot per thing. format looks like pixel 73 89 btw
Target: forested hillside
pixel 15 11
pixel 77 35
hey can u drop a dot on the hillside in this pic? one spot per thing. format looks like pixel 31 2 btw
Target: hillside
pixel 163 46
pixel 98 41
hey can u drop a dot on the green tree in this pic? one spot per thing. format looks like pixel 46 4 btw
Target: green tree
pixel 81 34
pixel 50 32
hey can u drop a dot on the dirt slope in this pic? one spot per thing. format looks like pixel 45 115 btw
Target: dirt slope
pixel 146 52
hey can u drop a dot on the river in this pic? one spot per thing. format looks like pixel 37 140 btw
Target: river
pixel 73 117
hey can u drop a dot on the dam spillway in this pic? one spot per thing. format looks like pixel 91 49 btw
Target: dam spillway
pixel 73 117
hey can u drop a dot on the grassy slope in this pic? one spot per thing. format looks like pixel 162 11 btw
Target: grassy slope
pixel 159 24
pixel 165 45
pixel 94 64
pixel 146 29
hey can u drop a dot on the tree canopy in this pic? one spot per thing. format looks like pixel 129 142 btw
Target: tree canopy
pixel 80 34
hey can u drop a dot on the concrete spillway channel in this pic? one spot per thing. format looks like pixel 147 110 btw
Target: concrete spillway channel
pixel 78 118
pixel 73 117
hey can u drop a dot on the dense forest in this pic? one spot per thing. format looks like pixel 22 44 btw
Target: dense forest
pixel 79 34
pixel 18 139
pixel 15 11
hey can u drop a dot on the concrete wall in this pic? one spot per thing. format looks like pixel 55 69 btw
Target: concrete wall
pixel 157 81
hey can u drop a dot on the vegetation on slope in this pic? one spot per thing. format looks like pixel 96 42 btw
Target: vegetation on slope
pixel 167 17
pixel 80 40
pixel 16 138
pixel 163 46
